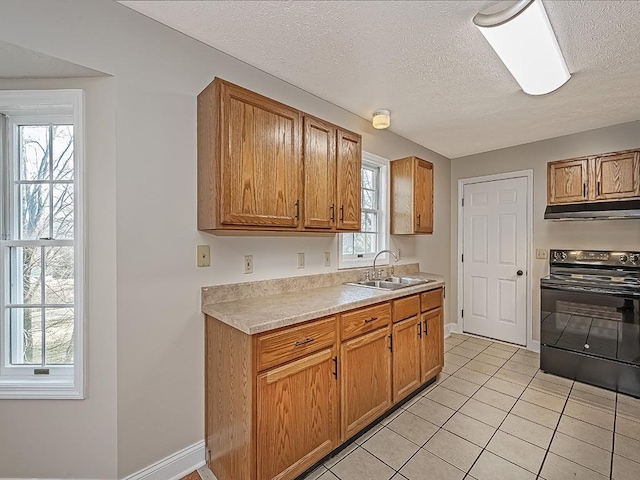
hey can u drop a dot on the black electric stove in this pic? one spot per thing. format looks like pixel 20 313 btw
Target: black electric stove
pixel 590 318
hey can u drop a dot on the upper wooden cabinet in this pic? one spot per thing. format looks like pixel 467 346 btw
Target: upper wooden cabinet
pixel 567 181
pixel 617 176
pixel 262 167
pixel 332 166
pixel 614 176
pixel 411 196
pixel 319 173
pixel 349 150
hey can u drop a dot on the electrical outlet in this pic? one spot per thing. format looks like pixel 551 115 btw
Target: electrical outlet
pixel 248 264
pixel 300 260
pixel 542 254
pixel 327 259
pixel 398 255
pixel 204 256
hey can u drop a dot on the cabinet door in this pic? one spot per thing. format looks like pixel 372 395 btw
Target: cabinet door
pixel 423 197
pixel 319 173
pixel 432 351
pixel 407 336
pixel 567 181
pixel 349 160
pixel 366 380
pixel 297 415
pixel 617 176
pixel 261 162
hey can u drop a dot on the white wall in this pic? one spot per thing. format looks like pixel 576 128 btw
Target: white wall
pixel 605 235
pixel 45 438
pixel 159 352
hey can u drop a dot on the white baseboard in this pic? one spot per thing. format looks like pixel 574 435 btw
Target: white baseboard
pixel 175 466
pixel 534 346
pixel 450 328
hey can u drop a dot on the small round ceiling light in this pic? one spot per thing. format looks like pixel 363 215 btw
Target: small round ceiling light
pixel 381 119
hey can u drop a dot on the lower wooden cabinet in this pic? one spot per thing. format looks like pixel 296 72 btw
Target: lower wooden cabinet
pixel 432 350
pixel 297 415
pixel 279 401
pixel 407 337
pixel 366 380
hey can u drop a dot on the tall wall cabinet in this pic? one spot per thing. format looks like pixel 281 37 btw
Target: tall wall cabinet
pixel 411 196
pixel 607 177
pixel 263 165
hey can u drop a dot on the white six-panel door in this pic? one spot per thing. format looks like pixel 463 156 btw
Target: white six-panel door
pixel 495 259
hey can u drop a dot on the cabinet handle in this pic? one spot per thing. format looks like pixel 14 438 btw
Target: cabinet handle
pixel 598 188
pixel 304 342
pixel 297 209
pixel 418 220
pixel 335 367
pixel 420 329
pixel 426 328
pixel 391 342
pixel 342 213
pixel 372 319
pixel 333 211
pixel 584 190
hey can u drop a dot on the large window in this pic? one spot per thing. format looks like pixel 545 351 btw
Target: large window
pixel 358 249
pixel 41 245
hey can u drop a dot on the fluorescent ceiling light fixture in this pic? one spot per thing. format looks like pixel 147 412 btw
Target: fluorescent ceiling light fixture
pixel 381 119
pixel 521 34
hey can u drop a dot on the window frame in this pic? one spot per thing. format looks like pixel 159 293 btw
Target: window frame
pixel 353 261
pixel 41 107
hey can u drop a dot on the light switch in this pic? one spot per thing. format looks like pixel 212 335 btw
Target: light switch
pixel 204 256
pixel 327 259
pixel 542 254
pixel 248 264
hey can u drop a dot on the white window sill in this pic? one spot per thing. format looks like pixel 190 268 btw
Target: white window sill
pixel 25 389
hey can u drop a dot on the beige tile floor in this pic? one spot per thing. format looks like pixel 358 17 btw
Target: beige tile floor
pixel 493 414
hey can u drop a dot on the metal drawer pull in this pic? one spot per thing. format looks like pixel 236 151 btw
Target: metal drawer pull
pixel 372 319
pixel 304 342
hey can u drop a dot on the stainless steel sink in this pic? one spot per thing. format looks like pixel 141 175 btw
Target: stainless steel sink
pixel 391 283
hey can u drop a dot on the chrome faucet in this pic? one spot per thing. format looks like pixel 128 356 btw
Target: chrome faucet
pixel 376 258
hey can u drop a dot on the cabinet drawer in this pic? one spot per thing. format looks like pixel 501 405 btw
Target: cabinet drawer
pixel 431 299
pixel 280 347
pixel 406 307
pixel 365 320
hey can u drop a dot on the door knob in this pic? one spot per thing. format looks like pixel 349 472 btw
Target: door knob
pixel 519 273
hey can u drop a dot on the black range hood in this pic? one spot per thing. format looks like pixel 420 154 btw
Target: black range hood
pixel 594 210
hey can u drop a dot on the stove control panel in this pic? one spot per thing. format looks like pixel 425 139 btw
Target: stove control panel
pixel 595 257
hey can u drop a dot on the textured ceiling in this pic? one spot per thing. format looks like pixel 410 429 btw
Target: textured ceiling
pixel 428 64
pixel 18 62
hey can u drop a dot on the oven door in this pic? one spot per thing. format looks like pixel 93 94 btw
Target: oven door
pixel 592 323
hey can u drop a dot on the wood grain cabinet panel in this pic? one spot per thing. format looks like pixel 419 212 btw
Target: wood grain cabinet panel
pixel 567 181
pixel 366 380
pixel 423 197
pixel 406 307
pixel 431 299
pixel 319 173
pixel 297 415
pixel 411 196
pixel 349 166
pixel 617 176
pixel 432 349
pixel 407 336
pixel 363 320
pixel 258 158
pixel 275 348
